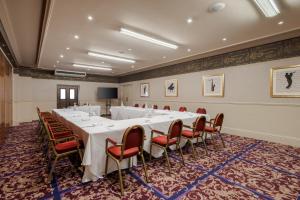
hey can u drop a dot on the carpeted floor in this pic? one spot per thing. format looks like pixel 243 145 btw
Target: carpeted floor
pixel 245 169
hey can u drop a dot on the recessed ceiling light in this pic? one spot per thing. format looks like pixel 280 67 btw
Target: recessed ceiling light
pixel 102 62
pixel 106 68
pixel 164 57
pixel 54 65
pixel 68 48
pixel 224 39
pixel 132 66
pixel 267 7
pixel 90 18
pixel 189 20
pixel 76 37
pixel 57 61
pixel 129 49
pixel 188 50
pixel 281 22
pixel 147 38
pixel 61 56
pixel 110 57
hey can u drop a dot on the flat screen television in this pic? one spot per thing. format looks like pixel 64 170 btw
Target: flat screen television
pixel 107 93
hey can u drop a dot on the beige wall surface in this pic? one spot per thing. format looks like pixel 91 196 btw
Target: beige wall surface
pixel 249 110
pixel 30 92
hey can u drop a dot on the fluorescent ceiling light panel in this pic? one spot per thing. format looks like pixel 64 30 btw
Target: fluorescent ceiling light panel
pixel 110 57
pixel 92 67
pixel 147 38
pixel 268 7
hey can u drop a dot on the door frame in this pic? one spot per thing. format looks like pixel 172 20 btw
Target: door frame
pixel 59 86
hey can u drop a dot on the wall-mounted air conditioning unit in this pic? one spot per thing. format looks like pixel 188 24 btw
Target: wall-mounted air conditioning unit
pixel 70 73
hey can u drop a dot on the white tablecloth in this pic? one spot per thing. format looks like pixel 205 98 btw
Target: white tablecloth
pixel 94 130
pixel 92 110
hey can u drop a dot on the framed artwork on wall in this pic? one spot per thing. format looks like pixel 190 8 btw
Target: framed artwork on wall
pixel 213 85
pixel 285 81
pixel 171 88
pixel 145 89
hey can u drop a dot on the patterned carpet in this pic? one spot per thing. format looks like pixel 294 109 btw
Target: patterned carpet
pixel 245 169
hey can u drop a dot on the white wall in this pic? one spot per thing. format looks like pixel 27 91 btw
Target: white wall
pixel 30 92
pixel 249 110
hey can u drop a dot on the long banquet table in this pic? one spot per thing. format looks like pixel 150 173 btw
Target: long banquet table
pixel 95 129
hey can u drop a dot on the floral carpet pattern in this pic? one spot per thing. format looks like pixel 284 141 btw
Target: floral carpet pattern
pixel 245 169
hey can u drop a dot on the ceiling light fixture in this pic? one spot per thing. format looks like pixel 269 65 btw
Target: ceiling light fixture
pixel 164 57
pixel 129 49
pixel 61 56
pixel 76 37
pixel 267 7
pixel 147 38
pixel 280 22
pixel 90 18
pixel 110 57
pixel 224 39
pixel 68 48
pixel 189 50
pixel 92 67
pixel 132 66
pixel 189 20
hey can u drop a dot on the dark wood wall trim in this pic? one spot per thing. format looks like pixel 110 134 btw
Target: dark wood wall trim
pixel 272 51
pixel 4 45
pixel 49 74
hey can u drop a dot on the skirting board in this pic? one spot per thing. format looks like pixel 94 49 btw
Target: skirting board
pixel 288 140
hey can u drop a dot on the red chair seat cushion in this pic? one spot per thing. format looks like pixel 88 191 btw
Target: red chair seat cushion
pixel 210 129
pixel 66 146
pixel 162 140
pixel 62 134
pixel 189 134
pixel 116 151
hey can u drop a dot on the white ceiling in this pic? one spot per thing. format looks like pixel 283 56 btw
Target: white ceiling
pixel 239 22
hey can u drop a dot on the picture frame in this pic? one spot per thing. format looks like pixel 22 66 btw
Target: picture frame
pixel 171 88
pixel 213 85
pixel 285 82
pixel 145 89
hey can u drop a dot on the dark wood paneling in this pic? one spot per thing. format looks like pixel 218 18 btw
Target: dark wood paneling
pixel 272 51
pixel 49 74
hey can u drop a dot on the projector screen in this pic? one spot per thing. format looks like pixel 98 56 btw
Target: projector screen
pixel 107 93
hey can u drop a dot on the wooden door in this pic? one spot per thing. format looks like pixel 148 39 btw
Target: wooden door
pixel 127 94
pixel 67 95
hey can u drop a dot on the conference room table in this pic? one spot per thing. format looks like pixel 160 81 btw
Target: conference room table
pixel 94 130
pixel 91 109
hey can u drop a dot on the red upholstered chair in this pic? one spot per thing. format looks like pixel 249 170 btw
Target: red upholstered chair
pixel 165 140
pixel 215 126
pixel 62 147
pixel 155 107
pixel 167 107
pixel 182 109
pixel 197 131
pixel 132 145
pixel 136 105
pixel 201 111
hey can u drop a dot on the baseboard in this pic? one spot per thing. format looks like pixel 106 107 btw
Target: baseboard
pixel 288 140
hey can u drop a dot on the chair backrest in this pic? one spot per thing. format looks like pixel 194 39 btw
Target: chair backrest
pixel 155 107
pixel 133 137
pixel 201 111
pixel 218 122
pixel 182 109
pixel 143 106
pixel 136 105
pixel 200 124
pixel 167 107
pixel 175 129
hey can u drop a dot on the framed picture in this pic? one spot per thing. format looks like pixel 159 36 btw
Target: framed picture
pixel 171 88
pixel 285 81
pixel 145 89
pixel 213 85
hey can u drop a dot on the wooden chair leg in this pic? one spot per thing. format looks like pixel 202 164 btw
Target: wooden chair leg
pixel 52 169
pixel 181 154
pixel 167 158
pixel 221 139
pixel 120 178
pixel 150 151
pixel 106 165
pixel 204 143
pixel 144 165
pixel 193 149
